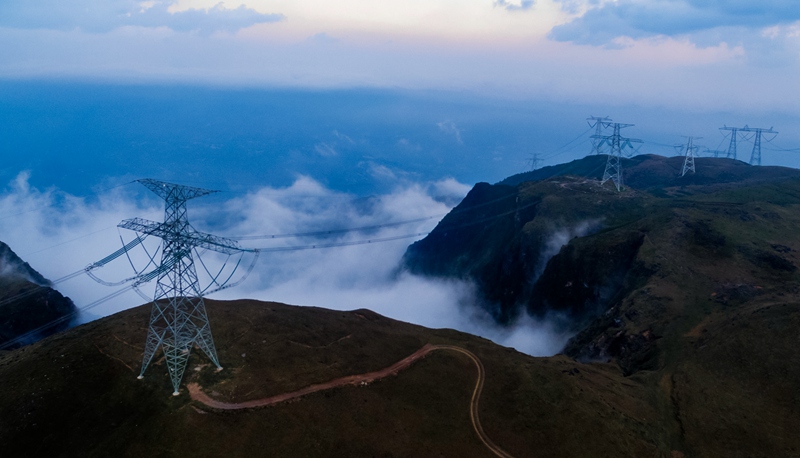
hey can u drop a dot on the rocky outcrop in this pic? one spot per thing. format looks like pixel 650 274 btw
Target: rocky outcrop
pixel 27 302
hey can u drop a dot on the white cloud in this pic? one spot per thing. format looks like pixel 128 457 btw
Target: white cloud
pixel 343 137
pixel 601 23
pixel 448 188
pixel 522 5
pixel 60 234
pixel 325 150
pixel 380 172
pixel 322 38
pixel 450 128
pixel 104 15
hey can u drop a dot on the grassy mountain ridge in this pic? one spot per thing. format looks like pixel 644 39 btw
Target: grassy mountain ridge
pixel 76 393
pixel 650 171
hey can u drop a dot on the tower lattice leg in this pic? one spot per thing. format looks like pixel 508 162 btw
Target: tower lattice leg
pixel 155 335
pixel 203 337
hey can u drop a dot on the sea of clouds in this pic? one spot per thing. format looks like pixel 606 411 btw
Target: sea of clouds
pixel 59 233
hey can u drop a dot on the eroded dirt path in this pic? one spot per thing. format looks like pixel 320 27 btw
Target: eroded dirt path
pixel 476 395
pixel 198 395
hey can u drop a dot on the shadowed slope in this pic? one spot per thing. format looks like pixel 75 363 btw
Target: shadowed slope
pixel 26 300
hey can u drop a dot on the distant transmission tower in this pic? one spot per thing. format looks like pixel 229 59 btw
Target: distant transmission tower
pixel 732 145
pixel 617 144
pixel 597 123
pixel 755 156
pixel 690 153
pixel 178 319
pixel 533 161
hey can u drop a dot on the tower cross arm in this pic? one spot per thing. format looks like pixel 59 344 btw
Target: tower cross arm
pixel 757 129
pixel 628 143
pixel 597 119
pixel 603 139
pixel 188 237
pixel 174 192
pixel 608 124
pixel 606 138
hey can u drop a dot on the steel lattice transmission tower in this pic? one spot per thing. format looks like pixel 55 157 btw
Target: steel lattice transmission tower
pixel 690 153
pixel 732 144
pixel 178 319
pixel 533 162
pixel 755 156
pixel 597 123
pixel 617 144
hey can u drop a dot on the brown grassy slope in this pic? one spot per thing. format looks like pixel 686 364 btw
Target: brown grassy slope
pixel 76 394
pixel 721 248
pixel 714 325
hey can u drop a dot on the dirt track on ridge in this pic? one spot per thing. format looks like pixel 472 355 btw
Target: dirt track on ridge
pixel 198 395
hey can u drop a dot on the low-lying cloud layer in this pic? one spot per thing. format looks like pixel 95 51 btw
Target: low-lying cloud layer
pixel 60 234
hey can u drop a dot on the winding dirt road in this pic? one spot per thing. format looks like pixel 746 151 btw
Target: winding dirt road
pixel 198 395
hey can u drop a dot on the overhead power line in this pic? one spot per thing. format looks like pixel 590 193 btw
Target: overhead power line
pixel 64 319
pixel 758 132
pixel 335 231
pixel 732 144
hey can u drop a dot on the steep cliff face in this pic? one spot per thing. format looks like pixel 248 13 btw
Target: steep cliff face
pixel 562 243
pixel 27 301
pixel 503 238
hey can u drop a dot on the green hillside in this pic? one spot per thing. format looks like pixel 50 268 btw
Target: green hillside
pixel 76 394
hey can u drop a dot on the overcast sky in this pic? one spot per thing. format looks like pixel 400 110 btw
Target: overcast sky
pixel 735 55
